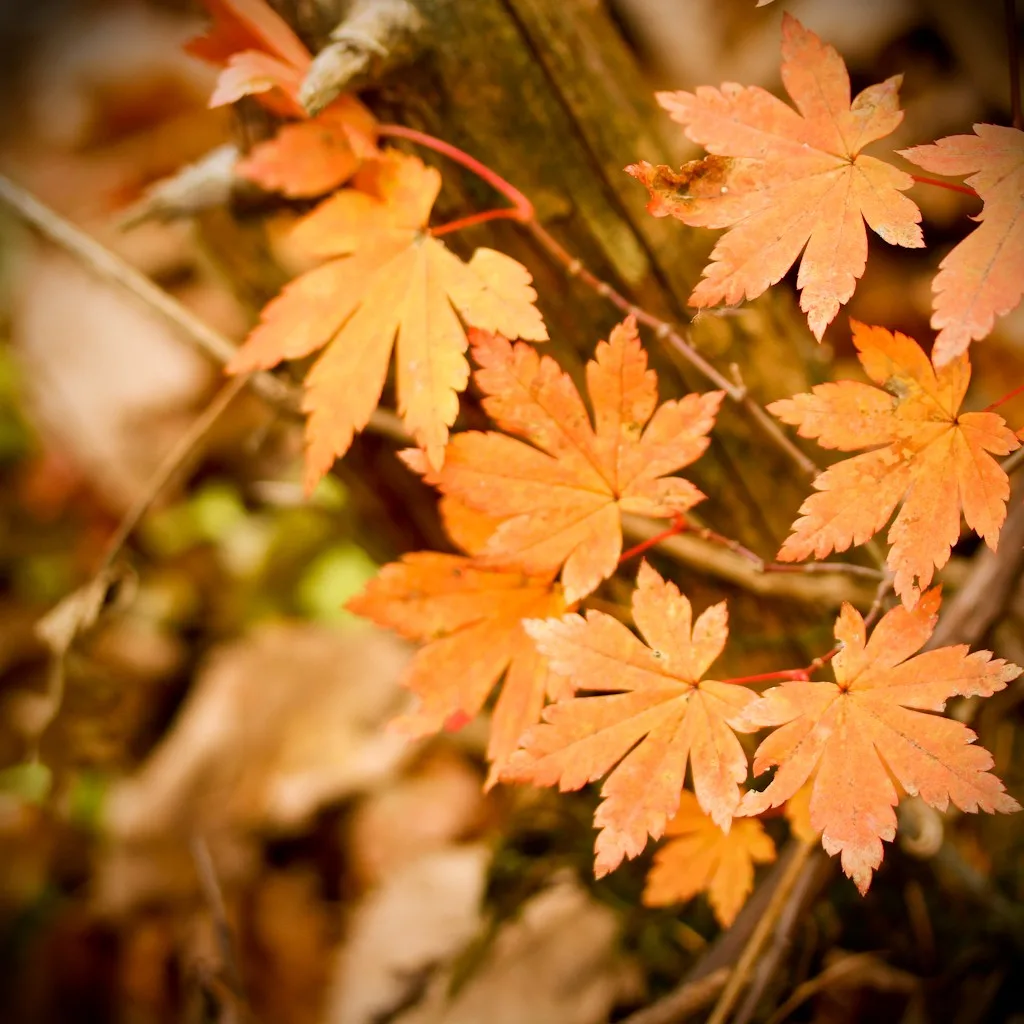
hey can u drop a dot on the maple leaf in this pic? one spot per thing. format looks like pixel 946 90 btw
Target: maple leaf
pixel 798 814
pixel 783 179
pixel 700 857
pixel 470 619
pixel 870 726
pixel 392 278
pixel 311 157
pixel 980 278
pixel 259 52
pixel 561 496
pixel 655 715
pixel 924 452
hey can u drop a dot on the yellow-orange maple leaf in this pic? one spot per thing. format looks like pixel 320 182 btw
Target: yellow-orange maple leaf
pixel 981 278
pixel 391 278
pixel 311 157
pixel 470 620
pixel 700 857
pixel 924 452
pixel 656 714
pixel 259 52
pixel 561 496
pixel 856 735
pixel 782 179
pixel 798 814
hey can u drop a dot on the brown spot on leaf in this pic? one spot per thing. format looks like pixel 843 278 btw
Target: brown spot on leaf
pixel 672 191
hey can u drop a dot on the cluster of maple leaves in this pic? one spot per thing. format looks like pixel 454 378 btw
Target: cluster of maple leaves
pixel 536 504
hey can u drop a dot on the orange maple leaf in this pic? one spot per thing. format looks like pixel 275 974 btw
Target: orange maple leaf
pixel 259 52
pixel 311 157
pixel 856 735
pixel 657 714
pixel 700 857
pixel 470 618
pixel 561 496
pixel 924 452
pixel 784 179
pixel 392 278
pixel 798 814
pixel 981 277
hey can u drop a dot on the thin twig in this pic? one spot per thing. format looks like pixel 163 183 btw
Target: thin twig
pixel 817 872
pixel 668 334
pixel 214 897
pixel 481 170
pixel 804 674
pixel 169 465
pixel 830 588
pixel 780 897
pixel 810 568
pixel 1006 398
pixel 948 185
pixel 681 1002
pixel 679 525
pixel 485 216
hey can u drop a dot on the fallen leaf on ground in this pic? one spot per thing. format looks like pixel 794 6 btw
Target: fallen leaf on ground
pixel 560 492
pixel 981 277
pixel 924 453
pixel 783 179
pixel 657 715
pixel 436 805
pixel 280 723
pixel 700 857
pixel 855 736
pixel 405 932
pixel 393 279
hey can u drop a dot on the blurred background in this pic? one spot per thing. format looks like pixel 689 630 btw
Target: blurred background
pixel 202 816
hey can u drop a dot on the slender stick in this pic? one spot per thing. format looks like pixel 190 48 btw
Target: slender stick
pixel 1006 398
pixel 1013 56
pixel 679 525
pixel 849 568
pixel 169 465
pixel 481 170
pixel 505 213
pixel 669 335
pixel 783 675
pixel 810 884
pixel 740 973
pixel 949 185
pixel 683 1001
pixel 210 885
